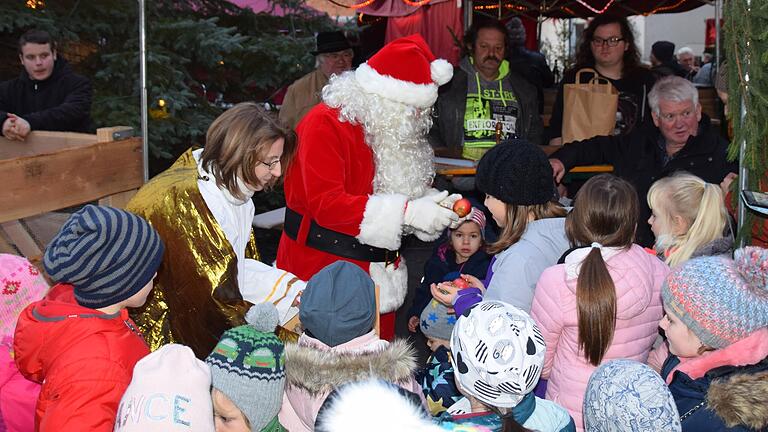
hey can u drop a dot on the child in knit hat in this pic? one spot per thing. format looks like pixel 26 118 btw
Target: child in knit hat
pixel 715 323
pixel 462 252
pixel 79 341
pixel 516 178
pixel 248 374
pixel 627 396
pixel 436 377
pixel 169 392
pixel 21 284
pixel 498 354
pixel 339 344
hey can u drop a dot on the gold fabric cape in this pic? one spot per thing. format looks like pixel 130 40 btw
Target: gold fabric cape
pixel 196 296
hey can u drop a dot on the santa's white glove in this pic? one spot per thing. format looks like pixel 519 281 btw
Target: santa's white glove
pixel 448 203
pixel 427 215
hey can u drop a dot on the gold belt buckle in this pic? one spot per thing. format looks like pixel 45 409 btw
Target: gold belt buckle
pixel 390 257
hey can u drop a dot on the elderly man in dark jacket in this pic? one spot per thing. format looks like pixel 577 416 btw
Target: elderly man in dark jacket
pixel 681 139
pixel 48 95
pixel 483 94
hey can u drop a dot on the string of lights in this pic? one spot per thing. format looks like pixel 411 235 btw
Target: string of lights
pixel 599 12
pixel 664 8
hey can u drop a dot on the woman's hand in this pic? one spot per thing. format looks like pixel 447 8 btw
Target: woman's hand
pixel 445 293
pixel 413 323
pixel 474 282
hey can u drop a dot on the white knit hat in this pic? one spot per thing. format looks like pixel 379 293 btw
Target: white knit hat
pixel 170 391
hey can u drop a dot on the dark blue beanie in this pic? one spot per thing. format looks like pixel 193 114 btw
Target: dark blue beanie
pixel 107 254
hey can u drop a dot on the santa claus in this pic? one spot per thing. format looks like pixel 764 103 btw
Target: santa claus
pixel 362 175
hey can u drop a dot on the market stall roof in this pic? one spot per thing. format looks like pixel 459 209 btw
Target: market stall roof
pixel 588 8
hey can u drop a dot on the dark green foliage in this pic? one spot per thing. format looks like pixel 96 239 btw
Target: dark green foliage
pixel 746 47
pixel 191 45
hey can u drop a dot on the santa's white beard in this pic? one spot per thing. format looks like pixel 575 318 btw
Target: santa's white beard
pixel 395 132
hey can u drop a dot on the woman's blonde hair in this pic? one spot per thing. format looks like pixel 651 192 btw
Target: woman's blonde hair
pixel 238 140
pixel 700 204
pixel 517 222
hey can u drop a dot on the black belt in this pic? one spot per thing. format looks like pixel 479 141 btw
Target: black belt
pixel 334 242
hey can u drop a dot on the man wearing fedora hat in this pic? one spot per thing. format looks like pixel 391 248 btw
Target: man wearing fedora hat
pixel 332 57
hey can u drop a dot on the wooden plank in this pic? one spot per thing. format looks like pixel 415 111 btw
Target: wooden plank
pixel 118 200
pixel 67 177
pixel 462 171
pixel 108 134
pixel 42 143
pixel 21 238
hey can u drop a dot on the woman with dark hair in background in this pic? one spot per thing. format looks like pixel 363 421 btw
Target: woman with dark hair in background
pixel 608 46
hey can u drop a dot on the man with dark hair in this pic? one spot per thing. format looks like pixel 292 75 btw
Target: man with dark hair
pixel 484 95
pixel 47 95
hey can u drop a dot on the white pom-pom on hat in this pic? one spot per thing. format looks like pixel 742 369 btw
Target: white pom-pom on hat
pixel 441 70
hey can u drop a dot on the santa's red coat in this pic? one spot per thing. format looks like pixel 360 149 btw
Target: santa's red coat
pixel 330 181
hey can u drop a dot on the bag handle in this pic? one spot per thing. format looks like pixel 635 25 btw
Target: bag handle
pixel 596 77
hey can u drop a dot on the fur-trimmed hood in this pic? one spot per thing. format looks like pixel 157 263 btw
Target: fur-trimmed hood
pixel 320 371
pixel 741 399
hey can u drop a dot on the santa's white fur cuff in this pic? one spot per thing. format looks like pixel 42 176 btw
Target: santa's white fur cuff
pixel 382 224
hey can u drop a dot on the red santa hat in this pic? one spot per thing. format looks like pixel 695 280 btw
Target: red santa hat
pixel 405 71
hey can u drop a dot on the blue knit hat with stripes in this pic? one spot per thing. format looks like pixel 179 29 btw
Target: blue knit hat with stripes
pixel 107 254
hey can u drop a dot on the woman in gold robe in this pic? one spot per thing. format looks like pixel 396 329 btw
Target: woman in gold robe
pixel 202 208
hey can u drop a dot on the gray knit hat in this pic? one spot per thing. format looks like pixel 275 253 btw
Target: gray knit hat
pixel 517 173
pixel 436 322
pixel 248 366
pixel 721 300
pixel 338 304
pixel 107 254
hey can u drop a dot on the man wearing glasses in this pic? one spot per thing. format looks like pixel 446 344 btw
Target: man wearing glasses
pixel 332 57
pixel 680 139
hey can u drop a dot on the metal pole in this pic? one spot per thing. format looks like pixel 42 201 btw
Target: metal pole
pixel 718 17
pixel 143 83
pixel 468 11
pixel 743 171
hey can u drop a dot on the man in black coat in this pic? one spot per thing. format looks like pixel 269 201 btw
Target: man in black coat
pixel 47 95
pixel 681 139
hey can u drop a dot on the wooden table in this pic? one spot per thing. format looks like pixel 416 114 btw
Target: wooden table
pixel 452 170
pixel 54 170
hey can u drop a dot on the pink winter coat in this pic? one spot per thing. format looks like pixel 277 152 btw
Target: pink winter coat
pixel 313 370
pixel 637 276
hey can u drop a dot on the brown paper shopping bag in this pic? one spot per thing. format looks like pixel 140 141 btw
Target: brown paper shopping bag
pixel 589 109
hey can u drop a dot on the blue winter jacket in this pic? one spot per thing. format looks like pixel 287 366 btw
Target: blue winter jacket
pixel 725 395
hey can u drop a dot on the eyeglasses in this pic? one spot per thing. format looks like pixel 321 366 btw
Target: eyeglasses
pixel 611 41
pixel 270 165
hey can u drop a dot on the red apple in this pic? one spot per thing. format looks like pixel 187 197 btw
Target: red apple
pixel 460 283
pixel 462 207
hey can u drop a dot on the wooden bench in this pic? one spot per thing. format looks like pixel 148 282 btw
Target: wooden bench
pixel 55 170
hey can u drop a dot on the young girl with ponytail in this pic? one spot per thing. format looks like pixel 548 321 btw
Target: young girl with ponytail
pixel 689 219
pixel 604 301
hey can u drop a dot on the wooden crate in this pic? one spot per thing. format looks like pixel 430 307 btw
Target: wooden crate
pixel 54 170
